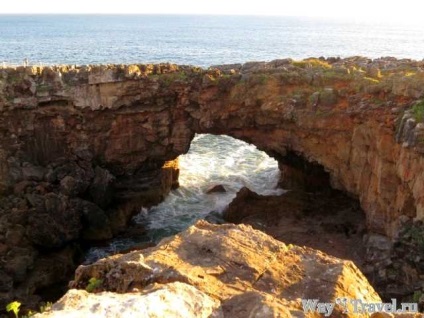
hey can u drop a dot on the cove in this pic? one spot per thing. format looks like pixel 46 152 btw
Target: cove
pixel 211 161
pixel 82 149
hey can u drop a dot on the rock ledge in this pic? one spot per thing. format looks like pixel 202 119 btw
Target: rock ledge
pixel 234 271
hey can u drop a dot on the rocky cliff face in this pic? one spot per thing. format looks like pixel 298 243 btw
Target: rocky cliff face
pixel 349 116
pixel 82 147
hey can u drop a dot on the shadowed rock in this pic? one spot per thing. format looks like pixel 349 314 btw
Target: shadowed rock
pixel 216 189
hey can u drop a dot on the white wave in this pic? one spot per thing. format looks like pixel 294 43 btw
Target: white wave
pixel 211 160
pixel 214 160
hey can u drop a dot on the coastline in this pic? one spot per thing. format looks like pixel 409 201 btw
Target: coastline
pixel 116 125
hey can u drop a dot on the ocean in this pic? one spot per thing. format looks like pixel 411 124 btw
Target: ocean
pixel 198 39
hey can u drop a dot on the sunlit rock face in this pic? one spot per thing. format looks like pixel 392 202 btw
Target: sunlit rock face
pixel 337 113
pixel 80 140
pixel 245 270
pixel 177 300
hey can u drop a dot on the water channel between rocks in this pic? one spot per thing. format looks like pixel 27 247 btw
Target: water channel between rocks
pixel 327 220
pixel 212 160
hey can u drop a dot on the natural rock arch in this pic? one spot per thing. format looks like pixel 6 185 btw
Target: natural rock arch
pixel 81 148
pixel 133 118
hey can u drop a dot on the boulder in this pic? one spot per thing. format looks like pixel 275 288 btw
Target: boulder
pixel 247 271
pixel 326 221
pixel 101 188
pixel 18 262
pixel 68 186
pixel 55 224
pixel 20 187
pixel 96 224
pixel 249 206
pixel 6 282
pixel 216 189
pixel 80 172
pixel 31 172
pixel 174 300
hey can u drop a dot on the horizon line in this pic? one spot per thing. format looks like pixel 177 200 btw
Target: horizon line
pixel 353 19
pixel 180 13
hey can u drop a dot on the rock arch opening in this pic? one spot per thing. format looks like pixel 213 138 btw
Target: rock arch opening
pixel 215 168
pixel 211 173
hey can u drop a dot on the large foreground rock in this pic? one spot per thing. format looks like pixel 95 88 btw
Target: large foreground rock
pixel 248 273
pixel 172 300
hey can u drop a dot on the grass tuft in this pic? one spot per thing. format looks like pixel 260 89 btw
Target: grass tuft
pixel 418 111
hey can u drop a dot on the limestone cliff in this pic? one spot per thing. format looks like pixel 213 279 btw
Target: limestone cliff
pixel 82 148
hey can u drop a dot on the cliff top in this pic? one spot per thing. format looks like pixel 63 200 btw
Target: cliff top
pixel 380 79
pixel 385 63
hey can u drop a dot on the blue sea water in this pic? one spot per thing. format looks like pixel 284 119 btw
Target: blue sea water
pixel 198 40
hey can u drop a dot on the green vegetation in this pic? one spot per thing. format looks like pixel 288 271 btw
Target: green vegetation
pixel 254 79
pixel 14 307
pixel 93 284
pixel 331 76
pixel 46 306
pixel 170 78
pixel 415 234
pixel 417 296
pixel 262 78
pixel 418 111
pixel 368 85
pixel 312 63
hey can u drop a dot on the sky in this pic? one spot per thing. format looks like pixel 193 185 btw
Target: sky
pixel 405 10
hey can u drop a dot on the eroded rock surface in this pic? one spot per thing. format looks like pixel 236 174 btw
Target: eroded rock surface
pixel 176 300
pixel 43 222
pixel 247 271
pixel 330 222
pixel 348 115
pixel 95 133
pixel 333 223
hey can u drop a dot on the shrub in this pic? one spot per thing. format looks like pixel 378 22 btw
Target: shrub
pixel 93 284
pixel 46 306
pixel 312 62
pixel 418 111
